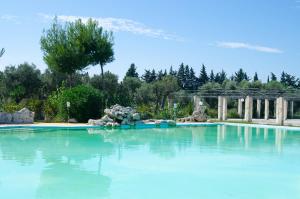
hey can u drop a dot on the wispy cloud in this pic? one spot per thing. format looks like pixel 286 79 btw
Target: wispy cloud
pixel 241 45
pixel 9 18
pixel 120 25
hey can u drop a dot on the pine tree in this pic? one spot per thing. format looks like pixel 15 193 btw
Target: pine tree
pixel 283 78
pixel 172 72
pixel 255 78
pixel 203 78
pixel 220 77
pixel 153 76
pixel 273 77
pixel 160 75
pixel 192 80
pixel 240 75
pixel 268 80
pixel 180 75
pixel 186 81
pixel 132 71
pixel 223 77
pixel 147 76
pixel 212 76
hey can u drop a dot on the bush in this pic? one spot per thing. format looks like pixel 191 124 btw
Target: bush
pixel 212 113
pixel 185 110
pixel 86 103
pixel 232 113
pixel 146 111
pixel 35 105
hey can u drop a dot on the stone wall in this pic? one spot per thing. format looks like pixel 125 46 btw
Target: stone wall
pixel 23 116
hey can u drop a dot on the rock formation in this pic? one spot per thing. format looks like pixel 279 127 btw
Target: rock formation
pixel 23 116
pixel 116 115
pixel 197 116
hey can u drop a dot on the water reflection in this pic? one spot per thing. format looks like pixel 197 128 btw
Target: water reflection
pixel 72 160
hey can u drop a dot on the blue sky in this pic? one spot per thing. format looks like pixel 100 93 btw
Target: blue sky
pixel 255 35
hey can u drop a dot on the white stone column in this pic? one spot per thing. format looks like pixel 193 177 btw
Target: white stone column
pixel 196 103
pixel 285 109
pixel 220 108
pixel 275 108
pixel 280 111
pixel 258 108
pixel 292 109
pixel 267 109
pixel 224 108
pixel 248 109
pixel 240 107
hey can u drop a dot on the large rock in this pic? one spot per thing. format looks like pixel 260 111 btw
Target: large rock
pixel 23 116
pixel 197 116
pixel 116 115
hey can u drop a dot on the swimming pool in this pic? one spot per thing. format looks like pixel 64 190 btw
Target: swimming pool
pixel 213 161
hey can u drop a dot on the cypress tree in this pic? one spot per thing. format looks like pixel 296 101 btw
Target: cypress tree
pixel 203 78
pixel 255 78
pixel 273 77
pixel 212 76
pixel 180 75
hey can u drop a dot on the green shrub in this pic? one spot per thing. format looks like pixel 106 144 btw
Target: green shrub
pixel 212 113
pixel 35 105
pixel 184 110
pixel 146 111
pixel 232 113
pixel 85 104
pixel 11 107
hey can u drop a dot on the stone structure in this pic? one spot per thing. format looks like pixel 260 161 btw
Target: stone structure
pixel 258 108
pixel 240 107
pixel 281 108
pixel 23 116
pixel 267 109
pixel 248 109
pixel 198 115
pixel 116 115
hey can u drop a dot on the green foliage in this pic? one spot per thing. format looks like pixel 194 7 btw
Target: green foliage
pixel 146 111
pixel 232 113
pixel 229 85
pixel 212 112
pixel 132 71
pixel 255 78
pixel 35 105
pixel 21 82
pixel 274 85
pixel 273 77
pixel 108 85
pixel 85 103
pixel 240 75
pixel 210 86
pixel 184 110
pixel 203 78
pixel 76 45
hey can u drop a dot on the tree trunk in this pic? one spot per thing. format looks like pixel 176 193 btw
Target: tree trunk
pixel 101 66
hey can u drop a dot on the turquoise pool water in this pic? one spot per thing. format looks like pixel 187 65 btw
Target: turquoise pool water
pixel 177 163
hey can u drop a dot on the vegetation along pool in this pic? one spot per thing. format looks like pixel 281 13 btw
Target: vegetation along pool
pixel 216 161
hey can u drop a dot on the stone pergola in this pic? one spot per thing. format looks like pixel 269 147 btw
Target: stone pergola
pixel 283 99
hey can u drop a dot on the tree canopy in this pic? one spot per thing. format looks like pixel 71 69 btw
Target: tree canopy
pixel 75 45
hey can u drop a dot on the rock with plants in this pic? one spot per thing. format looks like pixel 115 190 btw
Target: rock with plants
pixel 117 115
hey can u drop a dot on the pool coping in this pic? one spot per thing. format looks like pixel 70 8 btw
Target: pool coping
pixel 261 126
pixel 69 125
pixel 150 125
